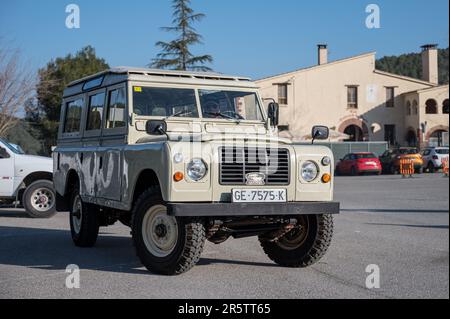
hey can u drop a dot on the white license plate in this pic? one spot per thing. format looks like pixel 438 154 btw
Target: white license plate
pixel 259 195
pixel 371 163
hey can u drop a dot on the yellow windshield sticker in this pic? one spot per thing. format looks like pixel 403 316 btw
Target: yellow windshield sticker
pixel 137 89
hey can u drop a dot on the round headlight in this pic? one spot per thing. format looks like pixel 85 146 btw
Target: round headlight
pixel 326 161
pixel 309 171
pixel 196 169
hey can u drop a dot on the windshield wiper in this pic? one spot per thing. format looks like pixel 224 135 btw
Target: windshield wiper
pixel 235 118
pixel 184 112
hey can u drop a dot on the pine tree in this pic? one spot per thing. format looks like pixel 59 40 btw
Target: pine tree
pixel 176 54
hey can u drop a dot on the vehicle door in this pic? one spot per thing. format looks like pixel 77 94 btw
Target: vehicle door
pixel 113 140
pixel 91 139
pixel 345 164
pixel 6 171
pixel 385 159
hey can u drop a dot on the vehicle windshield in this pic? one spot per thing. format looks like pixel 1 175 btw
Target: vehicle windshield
pixel 362 156
pixel 13 147
pixel 230 105
pixel 164 102
pixel 408 151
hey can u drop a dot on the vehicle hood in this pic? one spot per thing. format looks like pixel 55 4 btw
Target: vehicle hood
pixel 34 163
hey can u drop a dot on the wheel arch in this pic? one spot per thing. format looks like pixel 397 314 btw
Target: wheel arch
pixel 146 178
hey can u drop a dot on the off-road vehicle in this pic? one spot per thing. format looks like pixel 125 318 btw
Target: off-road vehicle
pixel 185 157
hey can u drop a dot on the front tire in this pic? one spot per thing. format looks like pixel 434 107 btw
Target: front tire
pixel 165 244
pixel 304 246
pixel 84 221
pixel 39 199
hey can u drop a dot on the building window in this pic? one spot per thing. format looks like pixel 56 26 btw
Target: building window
pixel 445 107
pixel 352 97
pixel 408 108
pixel 283 94
pixel 282 128
pixel 415 107
pixel 431 107
pixel 389 134
pixel 390 97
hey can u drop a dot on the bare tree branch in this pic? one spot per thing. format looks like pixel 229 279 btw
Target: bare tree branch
pixel 16 87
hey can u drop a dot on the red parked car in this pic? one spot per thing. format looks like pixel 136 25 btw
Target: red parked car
pixel 359 163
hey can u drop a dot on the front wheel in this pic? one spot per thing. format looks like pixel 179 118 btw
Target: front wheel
pixel 304 245
pixel 84 221
pixel 39 199
pixel 165 244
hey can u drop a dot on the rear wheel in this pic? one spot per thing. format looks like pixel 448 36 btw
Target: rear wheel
pixel 431 168
pixel 302 246
pixel 165 244
pixel 84 221
pixel 39 199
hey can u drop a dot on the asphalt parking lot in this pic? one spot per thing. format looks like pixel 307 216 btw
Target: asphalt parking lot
pixel 401 225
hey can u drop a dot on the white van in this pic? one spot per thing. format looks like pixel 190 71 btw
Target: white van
pixel 28 179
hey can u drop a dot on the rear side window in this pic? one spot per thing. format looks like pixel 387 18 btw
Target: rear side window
pixel 426 152
pixel 442 151
pixel 73 116
pixel 116 116
pixel 371 155
pixel 96 104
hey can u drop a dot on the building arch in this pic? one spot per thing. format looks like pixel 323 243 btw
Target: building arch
pixel 408 108
pixel 445 107
pixel 431 106
pixel 437 132
pixel 357 127
pixel 411 137
pixel 415 107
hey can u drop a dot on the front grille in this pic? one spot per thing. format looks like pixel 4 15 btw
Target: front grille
pixel 237 162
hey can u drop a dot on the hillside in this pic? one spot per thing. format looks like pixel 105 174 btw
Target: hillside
pixel 411 65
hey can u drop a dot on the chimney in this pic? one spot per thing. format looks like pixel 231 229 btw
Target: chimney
pixel 323 53
pixel 430 63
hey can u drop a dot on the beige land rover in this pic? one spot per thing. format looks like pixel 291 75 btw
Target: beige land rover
pixel 185 157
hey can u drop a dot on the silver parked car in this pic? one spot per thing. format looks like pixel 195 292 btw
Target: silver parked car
pixel 432 158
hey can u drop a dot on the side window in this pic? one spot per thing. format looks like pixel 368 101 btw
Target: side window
pixel 96 104
pixel 3 153
pixel 116 115
pixel 72 121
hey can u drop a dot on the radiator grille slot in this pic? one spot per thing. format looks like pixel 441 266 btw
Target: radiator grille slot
pixel 236 163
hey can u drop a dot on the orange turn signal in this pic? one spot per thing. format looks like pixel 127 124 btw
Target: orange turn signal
pixel 178 177
pixel 326 178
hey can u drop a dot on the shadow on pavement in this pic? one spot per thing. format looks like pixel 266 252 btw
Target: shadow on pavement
pixel 412 226
pixel 52 249
pixel 394 211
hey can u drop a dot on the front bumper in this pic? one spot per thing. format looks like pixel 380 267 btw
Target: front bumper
pixel 252 209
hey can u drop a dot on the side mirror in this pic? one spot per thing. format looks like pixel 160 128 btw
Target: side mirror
pixel 320 133
pixel 156 127
pixel 273 112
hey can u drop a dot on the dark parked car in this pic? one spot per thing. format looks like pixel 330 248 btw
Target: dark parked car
pixel 359 163
pixel 390 160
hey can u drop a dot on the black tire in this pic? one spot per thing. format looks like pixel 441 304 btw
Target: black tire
pixel 190 238
pixel 85 233
pixel 316 240
pixel 353 171
pixel 431 169
pixel 39 199
pixel 393 170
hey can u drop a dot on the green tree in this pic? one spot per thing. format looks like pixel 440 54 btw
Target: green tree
pixel 52 81
pixel 176 54
pixel 411 65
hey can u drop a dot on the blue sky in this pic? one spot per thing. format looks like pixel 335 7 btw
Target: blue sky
pixel 253 37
